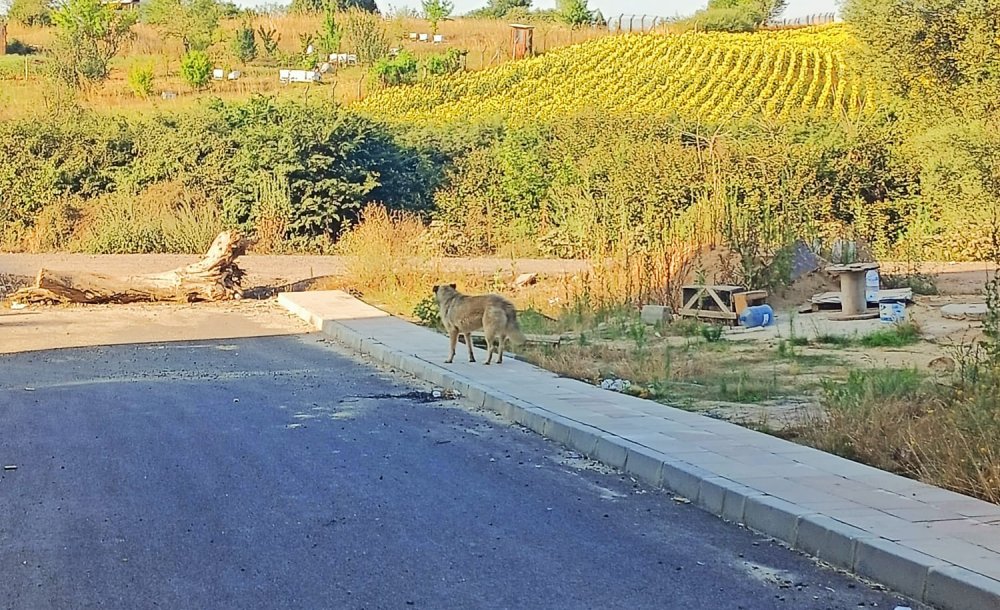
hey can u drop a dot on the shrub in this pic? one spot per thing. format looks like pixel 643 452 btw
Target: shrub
pixel 245 44
pixel 394 71
pixel 196 69
pixel 446 63
pixel 140 80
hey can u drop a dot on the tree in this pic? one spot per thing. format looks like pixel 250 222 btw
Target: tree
pixel 193 22
pixel 196 69
pixel 436 11
pixel 89 34
pixel 31 12
pixel 940 54
pixel 367 34
pixel 497 9
pixel 315 6
pixel 330 35
pixel 245 44
pixel 575 13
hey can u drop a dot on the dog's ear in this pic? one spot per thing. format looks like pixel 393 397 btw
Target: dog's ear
pixel 453 286
pixel 436 288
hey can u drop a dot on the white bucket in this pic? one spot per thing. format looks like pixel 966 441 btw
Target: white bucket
pixel 892 313
pixel 872 285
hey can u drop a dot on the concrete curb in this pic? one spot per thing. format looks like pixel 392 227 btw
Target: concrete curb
pixel 912 573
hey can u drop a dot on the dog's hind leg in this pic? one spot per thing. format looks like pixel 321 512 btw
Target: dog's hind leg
pixel 468 342
pixel 501 340
pixel 453 337
pixel 490 340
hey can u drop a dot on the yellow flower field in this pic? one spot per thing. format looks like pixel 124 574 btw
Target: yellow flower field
pixel 697 76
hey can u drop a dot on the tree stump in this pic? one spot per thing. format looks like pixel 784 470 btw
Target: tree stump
pixel 216 277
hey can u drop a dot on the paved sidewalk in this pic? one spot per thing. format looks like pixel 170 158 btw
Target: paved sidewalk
pixel 931 544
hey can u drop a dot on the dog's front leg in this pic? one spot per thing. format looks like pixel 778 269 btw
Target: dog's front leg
pixel 453 337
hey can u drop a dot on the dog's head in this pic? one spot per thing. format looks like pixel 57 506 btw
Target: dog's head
pixel 452 286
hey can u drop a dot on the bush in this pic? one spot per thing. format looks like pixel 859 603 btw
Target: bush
pixel 446 63
pixel 140 80
pixel 394 71
pixel 196 69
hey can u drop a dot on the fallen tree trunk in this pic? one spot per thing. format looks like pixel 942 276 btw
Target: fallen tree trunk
pixel 216 277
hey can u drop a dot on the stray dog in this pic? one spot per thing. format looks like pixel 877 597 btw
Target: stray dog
pixel 461 314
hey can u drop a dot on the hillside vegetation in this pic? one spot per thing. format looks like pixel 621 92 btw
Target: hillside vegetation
pixel 708 76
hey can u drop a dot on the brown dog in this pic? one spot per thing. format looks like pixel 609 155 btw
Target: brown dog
pixel 462 314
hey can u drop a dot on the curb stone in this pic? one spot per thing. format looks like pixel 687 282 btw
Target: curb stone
pixel 914 574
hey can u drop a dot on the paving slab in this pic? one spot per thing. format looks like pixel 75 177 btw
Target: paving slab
pixel 930 544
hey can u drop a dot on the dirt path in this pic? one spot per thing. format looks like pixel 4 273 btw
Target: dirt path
pixel 261 270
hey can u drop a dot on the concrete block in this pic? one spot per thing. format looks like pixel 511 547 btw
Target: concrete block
pixel 645 464
pixel 773 516
pixel 583 439
pixel 558 429
pixel 954 588
pixel 532 419
pixel 683 478
pixel 894 565
pixel 712 494
pixel 734 504
pixel 656 314
pixel 610 451
pixel 828 539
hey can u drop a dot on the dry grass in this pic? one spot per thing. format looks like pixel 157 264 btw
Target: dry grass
pixel 389 259
pixel 900 421
pixel 487 43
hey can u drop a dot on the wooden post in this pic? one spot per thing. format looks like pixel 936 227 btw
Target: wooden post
pixel 3 38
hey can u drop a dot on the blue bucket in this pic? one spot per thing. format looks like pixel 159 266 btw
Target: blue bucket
pixel 757 316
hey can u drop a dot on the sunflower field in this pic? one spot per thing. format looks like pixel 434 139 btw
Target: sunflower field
pixel 697 76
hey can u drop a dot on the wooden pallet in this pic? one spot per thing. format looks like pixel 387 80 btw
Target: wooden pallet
pixel 719 302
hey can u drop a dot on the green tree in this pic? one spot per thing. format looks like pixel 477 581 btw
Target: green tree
pixel 574 12
pixel 193 22
pixel 245 44
pixel 368 36
pixel 497 9
pixel 196 69
pixel 939 54
pixel 31 12
pixel 330 34
pixel 436 11
pixel 89 34
pixel 315 6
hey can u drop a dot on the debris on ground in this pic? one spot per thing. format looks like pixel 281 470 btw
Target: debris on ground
pixel 965 311
pixel 525 279
pixel 616 385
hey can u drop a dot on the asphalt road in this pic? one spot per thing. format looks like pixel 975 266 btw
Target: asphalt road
pixel 276 473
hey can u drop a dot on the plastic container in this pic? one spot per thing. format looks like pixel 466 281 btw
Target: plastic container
pixel 892 312
pixel 757 316
pixel 872 285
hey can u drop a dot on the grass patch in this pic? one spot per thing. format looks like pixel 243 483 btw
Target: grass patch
pixel 898 420
pixel 899 335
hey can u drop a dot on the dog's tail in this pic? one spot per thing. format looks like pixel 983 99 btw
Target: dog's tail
pixel 514 328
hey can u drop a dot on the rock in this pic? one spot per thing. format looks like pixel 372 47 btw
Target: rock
pixel 525 279
pixel 965 311
pixel 944 364
pixel 656 314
